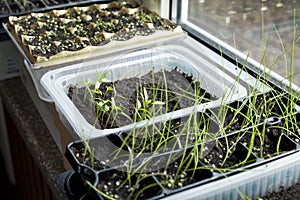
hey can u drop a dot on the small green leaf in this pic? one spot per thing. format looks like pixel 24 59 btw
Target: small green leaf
pixel 101 77
pixel 149 102
pixel 105 80
pixel 109 88
pixel 106 108
pixel 100 103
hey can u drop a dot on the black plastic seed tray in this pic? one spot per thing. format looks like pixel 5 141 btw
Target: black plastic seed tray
pixel 71 186
pixel 96 159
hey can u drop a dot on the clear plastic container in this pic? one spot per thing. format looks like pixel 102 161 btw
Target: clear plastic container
pixel 268 177
pixel 137 63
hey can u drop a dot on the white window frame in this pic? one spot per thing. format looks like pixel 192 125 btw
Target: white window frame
pixel 179 15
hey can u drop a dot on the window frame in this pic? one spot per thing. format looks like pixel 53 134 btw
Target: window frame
pixel 179 14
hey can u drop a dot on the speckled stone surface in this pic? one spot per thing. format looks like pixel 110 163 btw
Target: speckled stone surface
pixel 33 131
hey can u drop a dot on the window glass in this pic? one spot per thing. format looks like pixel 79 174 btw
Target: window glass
pixel 262 28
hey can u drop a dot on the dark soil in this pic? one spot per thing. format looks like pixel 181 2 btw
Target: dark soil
pixel 285 193
pixel 113 183
pixel 146 142
pixel 86 158
pixel 194 129
pixel 11 7
pixel 227 154
pixel 272 104
pixel 177 176
pixel 235 117
pixel 78 28
pixel 178 93
pixel 256 109
pixel 267 140
pixel 102 153
pixel 292 123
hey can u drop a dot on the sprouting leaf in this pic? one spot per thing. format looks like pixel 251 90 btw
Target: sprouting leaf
pixel 97 85
pixel 106 108
pixel 101 77
pixel 96 91
pixel 149 102
pixel 145 111
pixel 109 88
pixel 139 105
pixel 145 95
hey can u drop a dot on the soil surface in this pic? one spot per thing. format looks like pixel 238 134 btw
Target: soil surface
pixel 173 90
pixel 174 178
pixel 102 152
pixel 11 6
pixel 75 29
pixel 228 154
pixel 271 137
pixel 114 183
pixel 291 193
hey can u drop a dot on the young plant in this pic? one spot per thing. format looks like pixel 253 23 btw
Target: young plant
pixel 106 108
pixel 146 18
pixel 256 111
pixel 147 108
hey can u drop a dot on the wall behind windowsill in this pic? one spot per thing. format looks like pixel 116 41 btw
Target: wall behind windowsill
pixel 161 7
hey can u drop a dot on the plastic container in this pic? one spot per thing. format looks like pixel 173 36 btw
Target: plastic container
pixel 153 192
pixel 105 148
pixel 70 185
pixel 36 75
pixel 254 178
pixel 257 182
pixel 253 183
pixel 105 155
pixel 57 82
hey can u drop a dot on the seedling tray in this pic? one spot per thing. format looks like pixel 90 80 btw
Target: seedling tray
pixel 210 169
pixel 265 112
pixel 69 184
pixel 17 7
pixel 86 32
pixel 61 82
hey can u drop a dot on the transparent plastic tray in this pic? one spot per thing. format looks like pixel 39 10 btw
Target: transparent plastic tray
pixel 256 182
pixel 56 82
